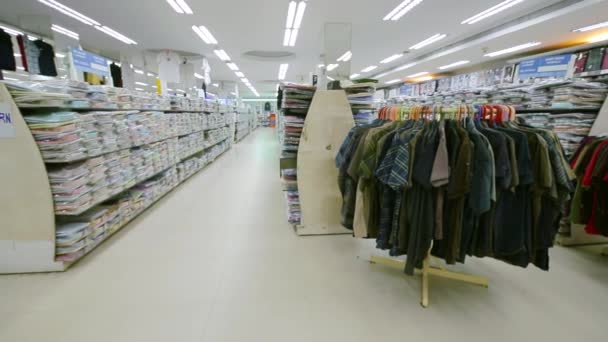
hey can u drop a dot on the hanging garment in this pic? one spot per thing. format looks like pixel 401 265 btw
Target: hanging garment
pixel 168 66
pixel 116 73
pixel 46 58
pixel 31 54
pixel 485 188
pixel 7 57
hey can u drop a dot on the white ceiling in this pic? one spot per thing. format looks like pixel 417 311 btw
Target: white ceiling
pixel 244 25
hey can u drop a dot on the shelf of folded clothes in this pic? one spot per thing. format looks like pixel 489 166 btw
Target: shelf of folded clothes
pixel 361 99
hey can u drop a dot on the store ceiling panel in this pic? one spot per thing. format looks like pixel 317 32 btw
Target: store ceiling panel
pixel 244 25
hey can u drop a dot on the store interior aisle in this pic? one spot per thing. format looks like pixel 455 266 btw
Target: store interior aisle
pixel 216 261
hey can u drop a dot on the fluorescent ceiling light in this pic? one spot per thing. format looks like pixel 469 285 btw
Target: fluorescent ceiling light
pixel 116 35
pixel 345 57
pixel 232 66
pixel 354 76
pixel 11 31
pixel 180 6
pixel 402 9
pixel 321 65
pixel 598 38
pixel 424 78
pixel 70 12
pixel 150 74
pixel 291 14
pixel 428 41
pixel 32 38
pixel 142 84
pixel 141 72
pixel 492 11
pixel 455 64
pixel 393 81
pixel 283 71
pixel 406 66
pixel 512 49
pixel 418 74
pixel 246 81
pixel 204 34
pixel 294 37
pixel 299 15
pixel 215 85
pixel 139 89
pixel 369 68
pixel 222 55
pixel 65 31
pixel 180 90
pixel 591 27
pixel 332 67
pixel 295 13
pixel 287 37
pixel 330 78
pixel 239 74
pixel 233 93
pixel 59 55
pixel 19 55
pixel 391 58
pixel 153 86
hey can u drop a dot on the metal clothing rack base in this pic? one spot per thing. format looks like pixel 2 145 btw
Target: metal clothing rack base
pixel 431 270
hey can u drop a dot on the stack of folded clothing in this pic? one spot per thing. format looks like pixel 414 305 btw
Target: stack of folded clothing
pixel 289 179
pixel 58 136
pixel 361 99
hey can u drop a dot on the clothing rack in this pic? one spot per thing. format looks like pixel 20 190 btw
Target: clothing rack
pixel 428 267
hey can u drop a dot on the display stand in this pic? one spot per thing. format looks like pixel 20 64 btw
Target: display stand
pixel 430 270
pixel 578 236
pixel 328 121
pixel 27 231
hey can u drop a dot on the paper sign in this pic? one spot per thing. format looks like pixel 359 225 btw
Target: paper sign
pixel 7 126
pixel 90 62
pixel 549 66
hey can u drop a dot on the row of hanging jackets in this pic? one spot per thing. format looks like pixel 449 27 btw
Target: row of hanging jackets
pixel 475 184
pixel 590 202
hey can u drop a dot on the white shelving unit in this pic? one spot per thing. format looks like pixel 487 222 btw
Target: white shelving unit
pixel 28 229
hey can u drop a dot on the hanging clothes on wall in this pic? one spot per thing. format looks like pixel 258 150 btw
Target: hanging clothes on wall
pixel 116 73
pixel 590 202
pixel 46 58
pixel 474 184
pixel 7 56
pixel 31 54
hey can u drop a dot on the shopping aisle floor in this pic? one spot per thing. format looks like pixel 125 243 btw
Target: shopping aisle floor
pixel 215 261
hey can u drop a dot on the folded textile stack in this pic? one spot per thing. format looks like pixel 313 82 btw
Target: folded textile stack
pixel 293 127
pixel 57 135
pixel 53 93
pixel 189 144
pixel 190 122
pixel 289 179
pixel 571 129
pixel 579 95
pixel 76 235
pixel 361 99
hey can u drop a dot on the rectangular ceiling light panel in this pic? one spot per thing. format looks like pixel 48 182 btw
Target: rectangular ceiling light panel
pixel 591 27
pixel 70 12
pixel 512 49
pixel 331 67
pixel 283 71
pixel 295 14
pixel 418 74
pixel 391 58
pixel 204 34
pixel 369 68
pixel 180 6
pixel 455 64
pixel 65 32
pixel 345 57
pixel 435 38
pixel 402 9
pixel 492 11
pixel 221 54
pixel 116 35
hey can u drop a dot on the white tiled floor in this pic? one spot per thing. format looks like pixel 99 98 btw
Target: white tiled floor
pixel 215 261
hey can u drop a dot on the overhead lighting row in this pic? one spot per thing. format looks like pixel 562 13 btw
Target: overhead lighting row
pixel 65 32
pixel 180 6
pixel 401 10
pixel 204 34
pixel 86 20
pixel 433 39
pixel 345 57
pixel 283 71
pixel 295 14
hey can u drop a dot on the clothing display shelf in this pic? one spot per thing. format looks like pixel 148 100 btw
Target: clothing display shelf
pixel 28 231
pixel 328 121
pixel 578 236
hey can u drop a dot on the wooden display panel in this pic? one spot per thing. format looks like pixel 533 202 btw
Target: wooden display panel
pixel 328 122
pixel 27 218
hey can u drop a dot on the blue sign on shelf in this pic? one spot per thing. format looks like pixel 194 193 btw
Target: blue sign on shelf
pixel 90 62
pixel 406 89
pixel 549 66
